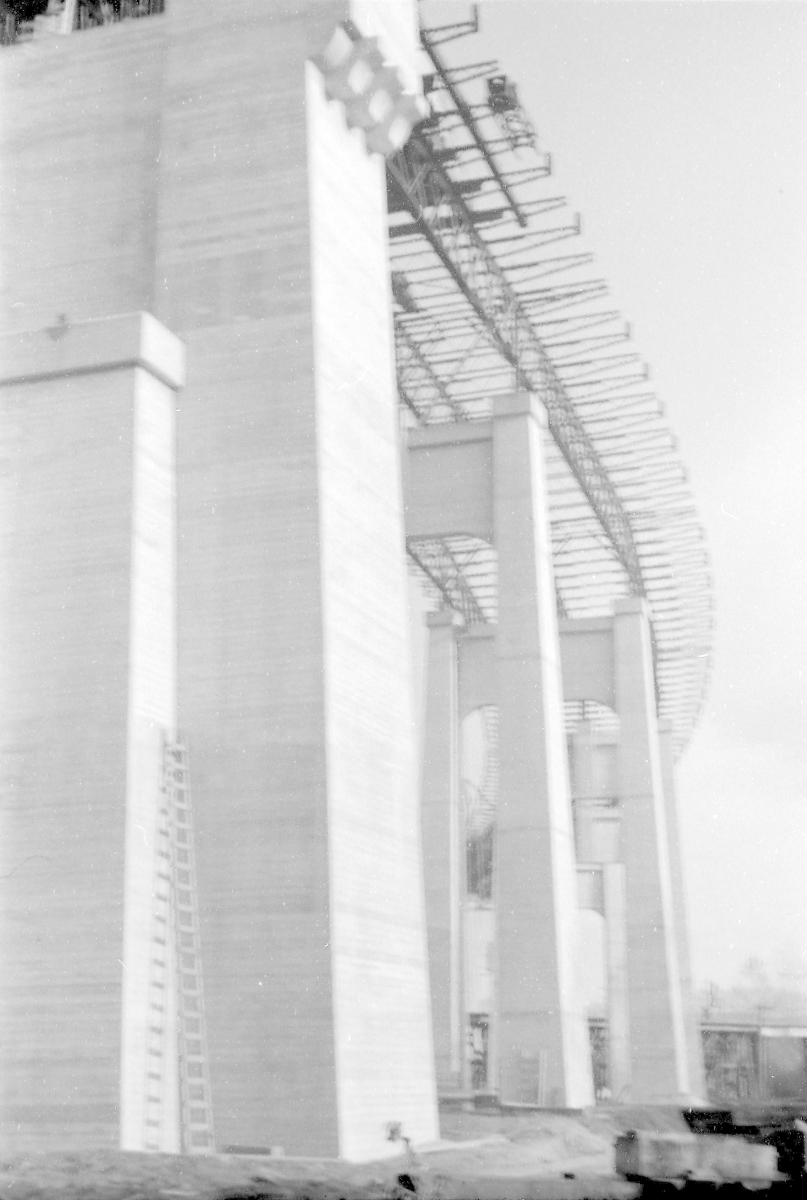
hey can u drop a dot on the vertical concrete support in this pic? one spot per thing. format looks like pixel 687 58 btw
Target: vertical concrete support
pixel 381 1014
pixel 583 780
pixel 660 1069
pixel 616 967
pixel 692 1030
pixel 442 858
pixel 87 676
pixel 293 643
pixel 542 1043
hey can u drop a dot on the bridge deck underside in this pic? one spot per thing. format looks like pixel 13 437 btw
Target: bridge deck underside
pixel 452 363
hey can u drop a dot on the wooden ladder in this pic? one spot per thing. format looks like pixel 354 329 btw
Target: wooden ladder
pixel 196 1111
pixel 175 973
pixel 160 970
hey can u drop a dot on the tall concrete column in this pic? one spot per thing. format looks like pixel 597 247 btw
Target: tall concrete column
pixel 616 969
pixel 294 663
pixel 442 858
pixel 692 1030
pixel 541 1038
pixel 597 840
pixel 582 764
pixel 659 1070
pixel 87 676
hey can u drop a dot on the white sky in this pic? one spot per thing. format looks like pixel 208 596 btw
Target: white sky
pixel 677 132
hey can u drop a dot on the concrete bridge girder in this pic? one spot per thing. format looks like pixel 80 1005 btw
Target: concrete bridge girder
pixel 448 481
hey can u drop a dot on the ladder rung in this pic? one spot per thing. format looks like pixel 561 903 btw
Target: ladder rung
pixel 175 853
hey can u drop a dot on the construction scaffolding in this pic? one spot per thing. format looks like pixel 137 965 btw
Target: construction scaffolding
pixel 490 298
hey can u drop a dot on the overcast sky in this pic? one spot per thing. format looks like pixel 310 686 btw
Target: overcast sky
pixel 677 131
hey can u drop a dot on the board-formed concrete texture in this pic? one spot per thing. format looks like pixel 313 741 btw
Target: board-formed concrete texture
pixel 204 175
pixel 542 1041
pixel 221 558
pixel 487 479
pixel 442 847
pixel 659 1060
pixel 655 1046
pixel 87 677
pixel 625 845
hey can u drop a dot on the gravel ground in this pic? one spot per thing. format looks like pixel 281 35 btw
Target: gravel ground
pixel 531 1156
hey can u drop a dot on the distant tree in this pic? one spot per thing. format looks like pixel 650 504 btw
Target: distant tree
pixel 23 10
pixel 755 992
pixel 754 975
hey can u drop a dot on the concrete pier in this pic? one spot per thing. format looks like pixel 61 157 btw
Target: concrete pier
pixel 697 1080
pixel 443 857
pixel 541 1038
pixel 205 175
pixel 486 479
pixel 87 675
pixel 659 1066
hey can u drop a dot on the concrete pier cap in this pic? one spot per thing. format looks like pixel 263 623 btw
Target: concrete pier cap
pixel 631 604
pixel 516 404
pixel 445 616
pixel 88 677
pixel 101 344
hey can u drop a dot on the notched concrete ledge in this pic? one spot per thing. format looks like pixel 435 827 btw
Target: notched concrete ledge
pixel 106 344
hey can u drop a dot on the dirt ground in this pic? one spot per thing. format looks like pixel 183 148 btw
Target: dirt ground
pixel 491 1156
